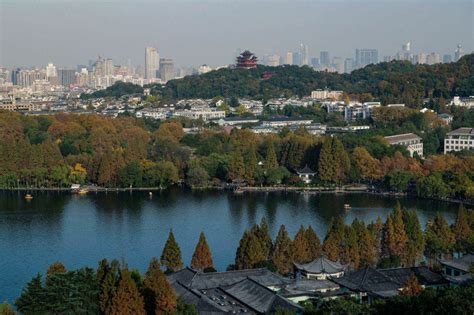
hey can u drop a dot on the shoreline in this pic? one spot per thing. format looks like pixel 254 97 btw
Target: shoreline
pixel 248 189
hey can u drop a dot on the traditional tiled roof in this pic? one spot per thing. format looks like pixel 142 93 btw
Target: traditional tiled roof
pixel 367 280
pixel 423 274
pixel 321 265
pixel 463 263
pixel 305 170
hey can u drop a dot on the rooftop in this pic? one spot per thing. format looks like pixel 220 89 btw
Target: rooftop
pixel 321 265
pixel 403 137
pixel 305 170
pixel 463 263
pixel 464 131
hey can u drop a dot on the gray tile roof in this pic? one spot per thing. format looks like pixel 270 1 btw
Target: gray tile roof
pixel 321 265
pixel 464 131
pixel 423 274
pixel 462 263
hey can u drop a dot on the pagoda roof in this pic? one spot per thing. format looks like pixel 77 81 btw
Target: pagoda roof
pixel 321 265
pixel 305 170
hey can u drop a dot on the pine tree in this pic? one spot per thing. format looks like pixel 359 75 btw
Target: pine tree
pixel 301 251
pixel 314 243
pixel 283 252
pixel 108 285
pixel 236 166
pixel 262 232
pixel 171 256
pixel 333 242
pixel 126 299
pixel 440 239
pixel 412 287
pixel 202 257
pixel 32 300
pixel 160 297
pixel 341 159
pixel 366 244
pixel 270 157
pixel 376 232
pixel 327 169
pixel 250 164
pixel 350 255
pixel 416 240
pixel 395 237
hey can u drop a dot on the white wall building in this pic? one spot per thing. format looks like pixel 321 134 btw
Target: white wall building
pixel 459 139
pixel 412 142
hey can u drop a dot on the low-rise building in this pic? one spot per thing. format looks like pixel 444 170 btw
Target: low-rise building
pixel 320 269
pixel 446 118
pixel 200 114
pixel 306 174
pixel 412 142
pixel 326 94
pixel 235 121
pixel 459 139
pixel 286 122
pixel 463 101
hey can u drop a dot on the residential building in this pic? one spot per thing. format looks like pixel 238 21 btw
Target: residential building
pixel 200 114
pixel 458 53
pixel 286 121
pixel 67 77
pixel 348 65
pixel 166 69
pixel 412 142
pixel 446 118
pixel 235 121
pixel 152 62
pixel 459 139
pixel 320 269
pixel 288 58
pixel 447 58
pixel 324 58
pixel 326 94
pixel 463 101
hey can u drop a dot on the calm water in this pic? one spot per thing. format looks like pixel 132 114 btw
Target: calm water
pixel 81 230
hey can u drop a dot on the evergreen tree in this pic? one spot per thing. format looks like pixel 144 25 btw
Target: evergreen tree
pixel 108 285
pixel 283 252
pixel 171 256
pixel 333 242
pixel 301 251
pixel 126 299
pixel 159 295
pixel 314 243
pixel 440 239
pixel 270 157
pixel 250 164
pixel 32 300
pixel 366 244
pixel 236 169
pixel 327 169
pixel 202 257
pixel 262 232
pixel 412 287
pixel 350 255
pixel 376 232
pixel 395 237
pixel 416 240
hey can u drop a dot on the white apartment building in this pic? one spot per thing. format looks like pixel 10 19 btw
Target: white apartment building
pixel 463 101
pixel 412 142
pixel 203 114
pixel 459 139
pixel 326 94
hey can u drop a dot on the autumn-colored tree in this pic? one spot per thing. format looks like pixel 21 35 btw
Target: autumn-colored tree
pixel 314 244
pixel 350 254
pixel 366 244
pixel 171 256
pixel 376 232
pixel 301 251
pixel 334 162
pixel 440 239
pixel 56 267
pixel 126 298
pixel 160 297
pixel 367 167
pixel 236 169
pixel 462 230
pixel 202 257
pixel 412 287
pixel 250 160
pixel 283 252
pixel 270 157
pixel 333 242
pixel 249 252
pixel 395 238
pixel 262 232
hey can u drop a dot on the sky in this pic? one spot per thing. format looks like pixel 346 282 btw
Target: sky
pixel 71 32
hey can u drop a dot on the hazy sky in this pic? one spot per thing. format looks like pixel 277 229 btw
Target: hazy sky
pixel 70 32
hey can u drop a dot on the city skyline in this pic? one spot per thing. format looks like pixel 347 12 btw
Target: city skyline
pixel 190 40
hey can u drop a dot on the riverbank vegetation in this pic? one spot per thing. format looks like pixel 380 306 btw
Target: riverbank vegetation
pixel 65 149
pixel 399 241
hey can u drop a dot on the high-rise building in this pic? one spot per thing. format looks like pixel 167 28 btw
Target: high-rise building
pixel 108 67
pixel 433 58
pixel 297 58
pixel 338 64
pixel 420 58
pixel 315 63
pixel 366 57
pixel 152 62
pixel 406 47
pixel 51 71
pixel 273 60
pixel 304 55
pixel 458 53
pixel 26 78
pixel 166 69
pixel 348 65
pixel 288 58
pixel 324 58
pixel 66 77
pixel 447 58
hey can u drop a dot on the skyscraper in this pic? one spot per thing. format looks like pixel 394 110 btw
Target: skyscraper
pixel 297 58
pixel 348 65
pixel 152 62
pixel 447 58
pixel 166 69
pixel 288 58
pixel 304 55
pixel 366 57
pixel 458 53
pixel 324 59
pixel 66 77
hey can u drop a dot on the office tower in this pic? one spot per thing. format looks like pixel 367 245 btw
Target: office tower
pixel 324 58
pixel 348 65
pixel 152 62
pixel 297 58
pixel 66 77
pixel 304 55
pixel 433 58
pixel 315 63
pixel 366 57
pixel 289 58
pixel 447 58
pixel 458 53
pixel 51 71
pixel 273 60
pixel 108 67
pixel 166 69
pixel 338 64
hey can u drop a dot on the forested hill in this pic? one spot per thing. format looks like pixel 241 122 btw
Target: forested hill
pixel 389 82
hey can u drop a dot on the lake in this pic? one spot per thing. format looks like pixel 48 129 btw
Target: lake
pixel 81 230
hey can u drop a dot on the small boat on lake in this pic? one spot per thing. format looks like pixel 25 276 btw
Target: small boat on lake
pixel 28 197
pixel 82 191
pixel 347 206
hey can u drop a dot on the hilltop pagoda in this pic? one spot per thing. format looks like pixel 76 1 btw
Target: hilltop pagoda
pixel 247 60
